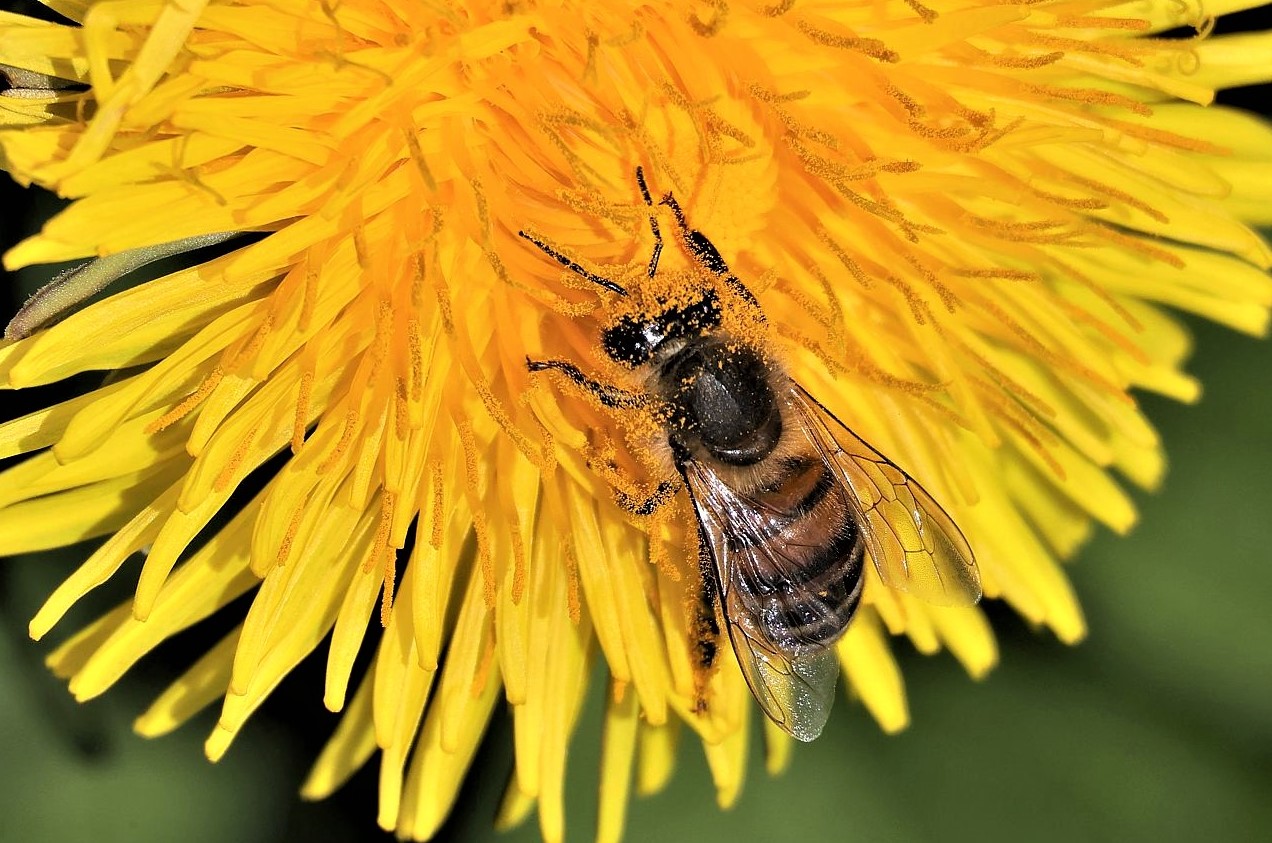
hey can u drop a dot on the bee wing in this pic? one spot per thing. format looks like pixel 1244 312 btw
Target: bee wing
pixel 915 546
pixel 796 692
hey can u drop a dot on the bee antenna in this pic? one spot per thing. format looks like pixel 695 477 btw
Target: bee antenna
pixel 644 186
pixel 653 222
pixel 706 253
pixel 573 265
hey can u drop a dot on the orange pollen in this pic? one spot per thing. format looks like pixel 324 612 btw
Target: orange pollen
pixel 1090 96
pixel 872 47
pixel 401 417
pixel 385 555
pixel 342 446
pixel 1018 425
pixel 1137 244
pixel 1021 62
pixel 419 159
pixel 482 675
pixel 1098 289
pixel 573 602
pixel 309 298
pixel 235 461
pixel 715 23
pixel 437 517
pixel 415 348
pixel 518 563
pixel 998 272
pixel 390 585
pixel 289 537
pixel 302 409
pixel 1166 138
pixel 472 491
pixel 1120 196
pixel 191 401
pixel 928 15
pixel 1093 22
pixel 254 345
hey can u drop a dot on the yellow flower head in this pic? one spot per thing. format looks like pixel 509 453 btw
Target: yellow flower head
pixel 958 221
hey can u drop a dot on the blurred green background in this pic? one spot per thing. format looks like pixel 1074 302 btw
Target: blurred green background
pixel 1158 727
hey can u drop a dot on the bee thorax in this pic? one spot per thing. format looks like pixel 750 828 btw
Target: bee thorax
pixel 720 396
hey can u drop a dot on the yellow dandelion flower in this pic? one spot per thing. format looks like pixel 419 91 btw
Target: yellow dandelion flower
pixel 959 223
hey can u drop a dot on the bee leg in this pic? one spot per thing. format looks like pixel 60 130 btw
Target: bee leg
pixel 607 394
pixel 707 254
pixel 707 627
pixel 666 491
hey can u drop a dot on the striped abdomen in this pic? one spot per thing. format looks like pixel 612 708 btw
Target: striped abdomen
pixel 811 579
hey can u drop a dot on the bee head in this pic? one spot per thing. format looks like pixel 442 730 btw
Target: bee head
pixel 633 339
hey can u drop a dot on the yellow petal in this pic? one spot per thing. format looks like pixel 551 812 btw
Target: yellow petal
pixel 618 749
pixel 196 689
pixel 872 673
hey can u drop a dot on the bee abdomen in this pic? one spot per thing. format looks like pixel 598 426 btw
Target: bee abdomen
pixel 813 586
pixel 816 601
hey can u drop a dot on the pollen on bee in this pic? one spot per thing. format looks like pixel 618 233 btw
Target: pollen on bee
pixel 658 554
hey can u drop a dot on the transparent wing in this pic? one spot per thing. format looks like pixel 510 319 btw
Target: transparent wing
pixel 915 546
pixel 796 694
pixel 793 680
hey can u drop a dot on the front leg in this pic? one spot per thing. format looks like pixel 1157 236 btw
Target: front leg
pixel 608 394
pixel 666 490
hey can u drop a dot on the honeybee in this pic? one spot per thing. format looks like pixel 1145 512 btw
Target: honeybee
pixel 789 501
